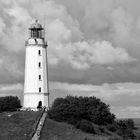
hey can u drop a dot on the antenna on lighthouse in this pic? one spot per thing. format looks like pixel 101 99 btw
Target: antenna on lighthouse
pixel 44 17
pixel 44 22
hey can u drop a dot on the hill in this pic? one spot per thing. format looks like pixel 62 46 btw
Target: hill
pixel 53 130
pixel 17 125
pixel 84 112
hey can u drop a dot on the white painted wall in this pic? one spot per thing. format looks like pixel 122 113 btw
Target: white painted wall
pixel 31 100
pixel 32 71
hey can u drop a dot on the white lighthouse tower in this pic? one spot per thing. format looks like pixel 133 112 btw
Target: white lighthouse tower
pixel 36 86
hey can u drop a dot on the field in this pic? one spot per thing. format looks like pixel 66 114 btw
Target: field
pixel 17 125
pixel 53 130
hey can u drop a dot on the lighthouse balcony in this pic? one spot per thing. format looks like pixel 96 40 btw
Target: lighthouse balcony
pixel 35 41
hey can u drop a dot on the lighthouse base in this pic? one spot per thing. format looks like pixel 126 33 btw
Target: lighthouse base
pixel 32 100
pixel 29 109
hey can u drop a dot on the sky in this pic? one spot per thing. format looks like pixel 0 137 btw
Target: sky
pixel 93 49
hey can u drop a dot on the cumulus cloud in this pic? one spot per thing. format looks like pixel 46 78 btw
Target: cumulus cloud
pixel 63 34
pixel 82 55
pixel 7 87
pixel 12 90
pixel 98 53
pixel 122 26
pixel 2 26
pixel 126 112
pixel 58 32
pixel 105 91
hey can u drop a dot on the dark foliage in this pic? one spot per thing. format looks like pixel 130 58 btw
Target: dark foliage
pixel 9 103
pixel 112 127
pixel 73 109
pixel 123 128
pixel 85 126
pixel 131 123
pixel 83 112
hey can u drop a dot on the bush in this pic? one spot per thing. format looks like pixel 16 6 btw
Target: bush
pixel 124 129
pixel 9 103
pixel 112 127
pixel 72 109
pixel 85 126
pixel 131 123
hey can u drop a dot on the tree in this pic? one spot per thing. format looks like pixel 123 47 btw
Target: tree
pixel 73 109
pixel 9 103
pixel 85 126
pixel 125 128
pixel 131 123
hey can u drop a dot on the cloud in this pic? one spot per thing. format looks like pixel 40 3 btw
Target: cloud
pixel 105 91
pixel 82 55
pixel 58 32
pixel 64 40
pixel 15 34
pixel 2 27
pixel 69 45
pixel 122 26
pixel 17 86
pixel 12 90
pixel 126 112
pixel 99 53
pixel 64 35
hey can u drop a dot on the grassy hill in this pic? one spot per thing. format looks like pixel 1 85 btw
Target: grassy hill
pixel 17 125
pixel 53 130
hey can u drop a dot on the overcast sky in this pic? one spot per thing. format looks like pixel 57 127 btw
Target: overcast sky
pixel 93 49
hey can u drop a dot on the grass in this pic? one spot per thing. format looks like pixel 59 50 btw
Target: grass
pixel 53 130
pixel 17 125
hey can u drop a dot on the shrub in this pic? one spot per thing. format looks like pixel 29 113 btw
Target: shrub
pixel 125 129
pixel 81 108
pixel 131 124
pixel 102 129
pixel 86 126
pixel 9 103
pixel 112 127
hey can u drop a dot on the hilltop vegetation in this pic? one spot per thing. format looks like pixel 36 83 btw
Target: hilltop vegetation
pixel 87 112
pixel 9 103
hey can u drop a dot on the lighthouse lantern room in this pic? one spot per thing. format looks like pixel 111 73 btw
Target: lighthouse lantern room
pixel 36 87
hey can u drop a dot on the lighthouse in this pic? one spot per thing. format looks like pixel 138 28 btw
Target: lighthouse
pixel 36 85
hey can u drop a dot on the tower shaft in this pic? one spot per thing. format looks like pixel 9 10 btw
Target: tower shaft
pixel 36 70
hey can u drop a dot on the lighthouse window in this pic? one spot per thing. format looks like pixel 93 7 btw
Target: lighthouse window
pixel 35 33
pixel 39 77
pixel 40 89
pixel 39 64
pixel 39 52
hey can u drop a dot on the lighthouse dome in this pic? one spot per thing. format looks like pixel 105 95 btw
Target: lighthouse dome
pixel 36 25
